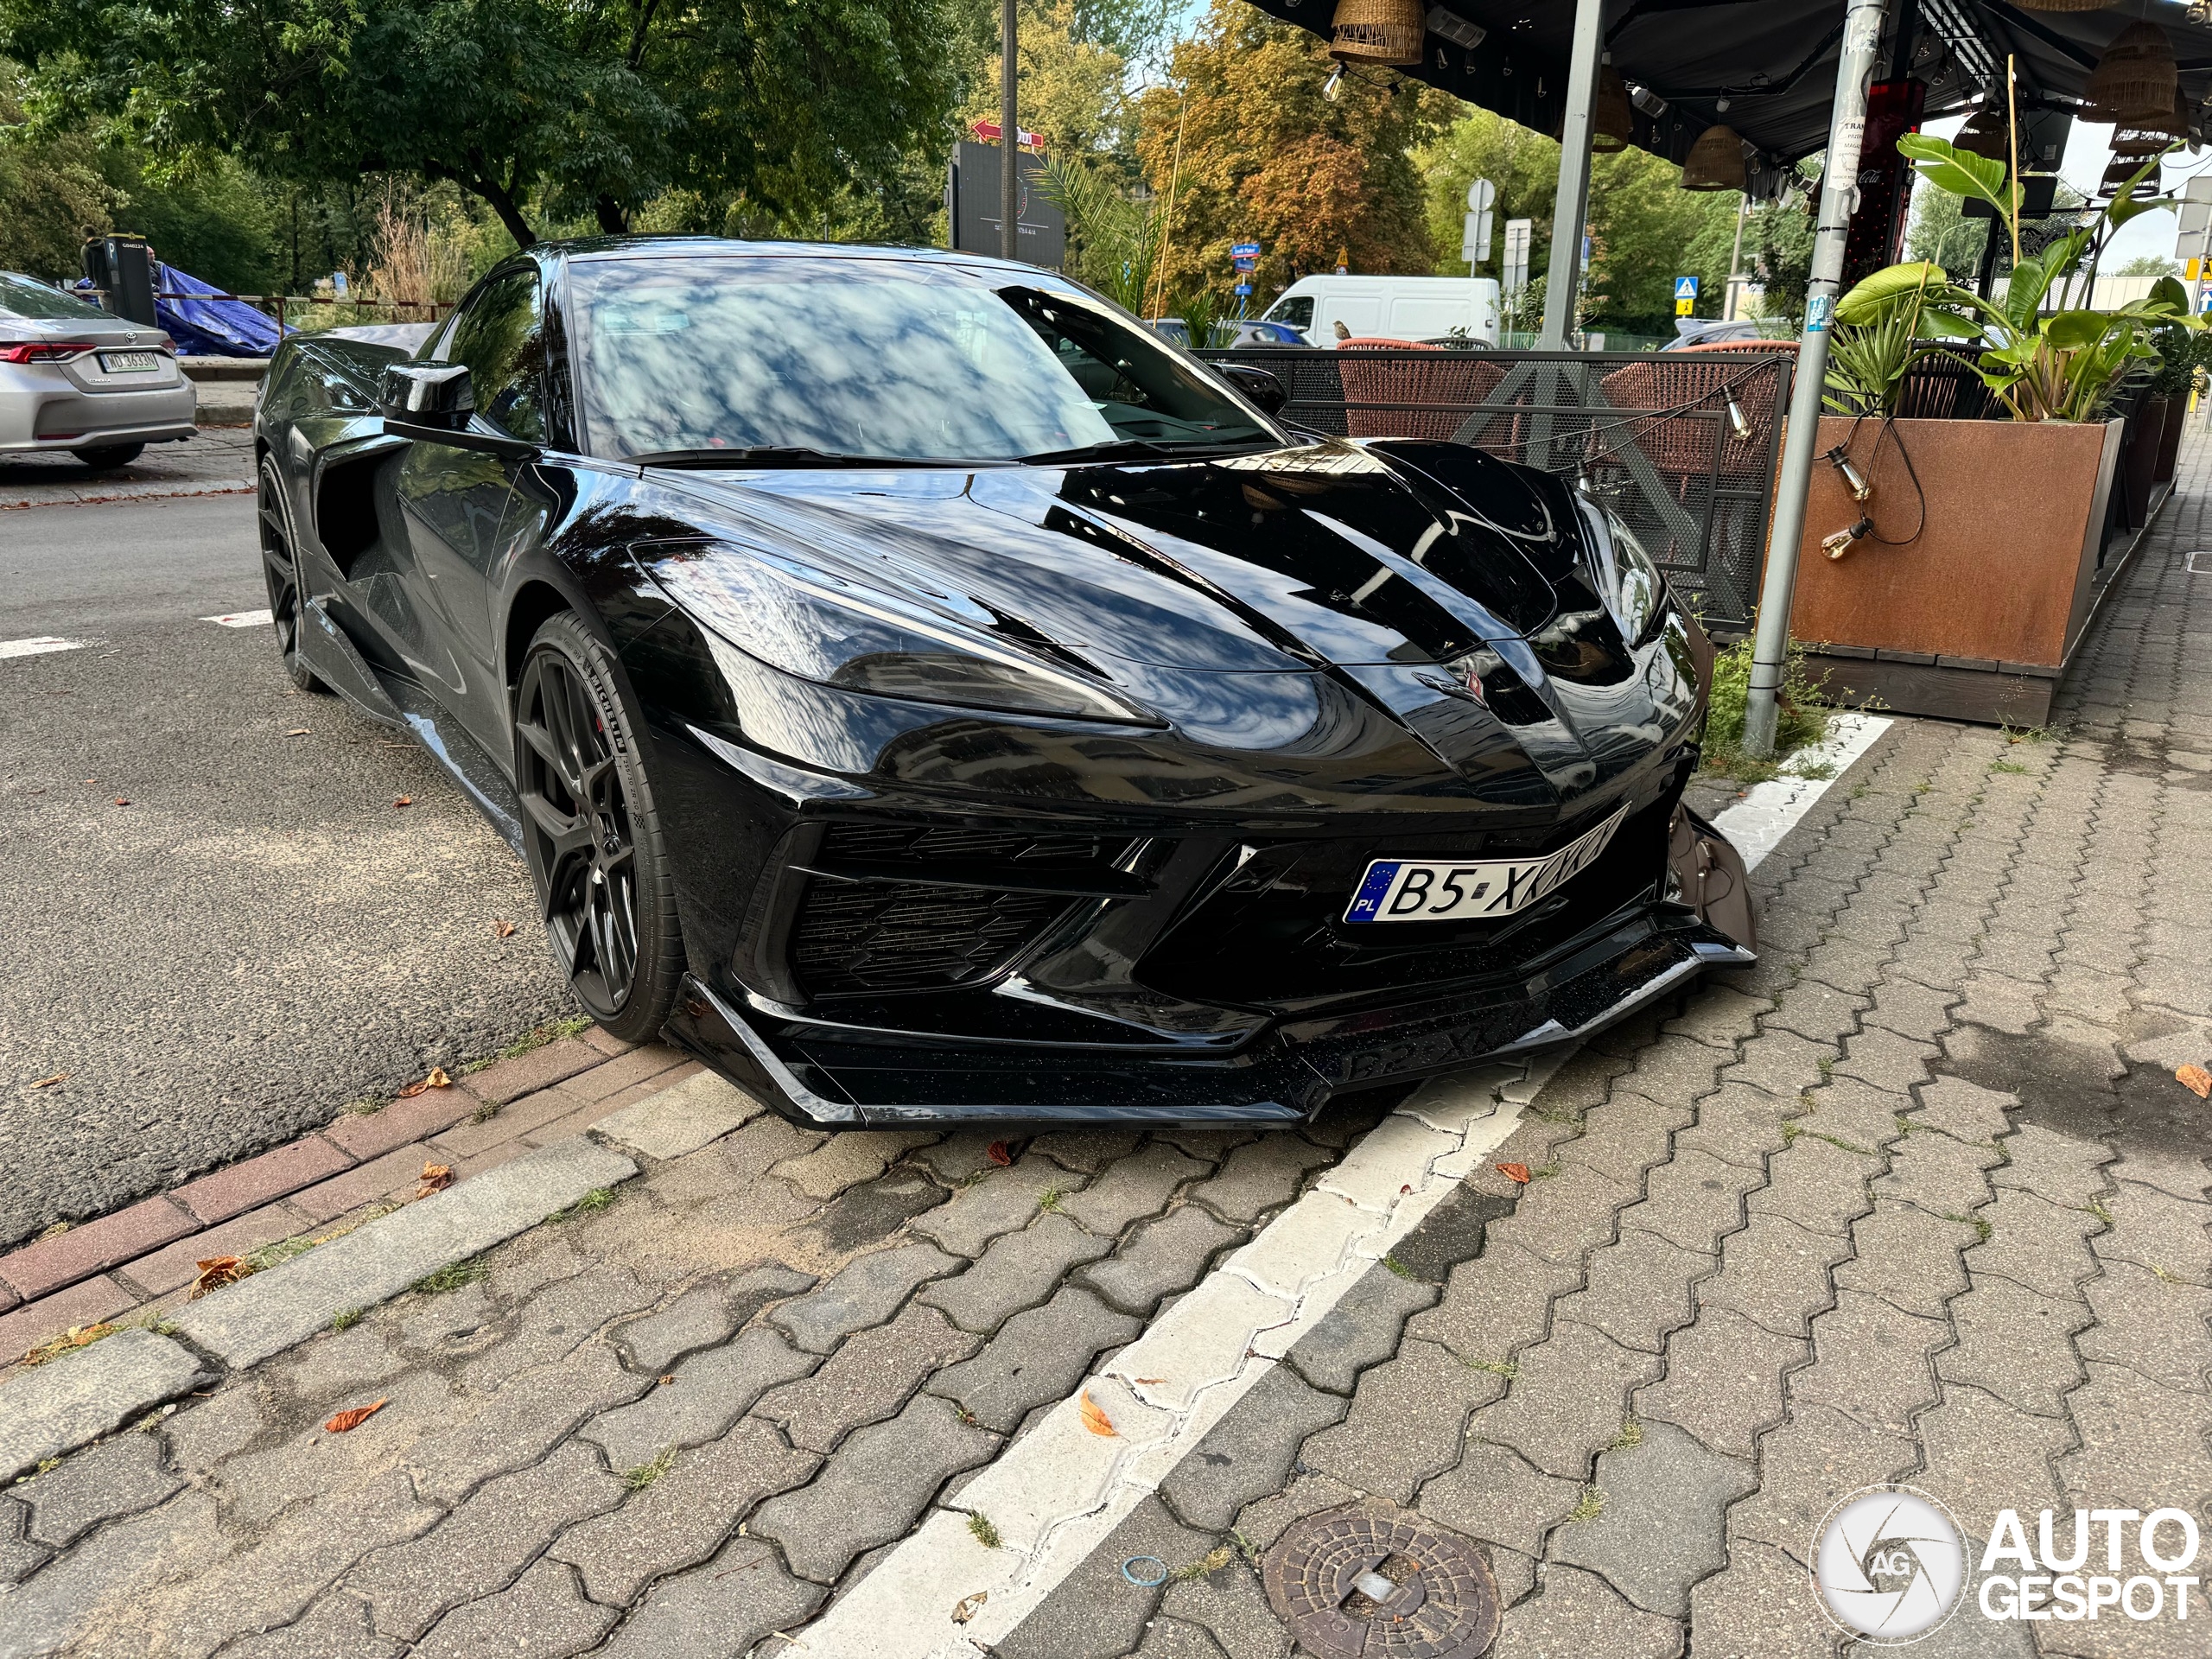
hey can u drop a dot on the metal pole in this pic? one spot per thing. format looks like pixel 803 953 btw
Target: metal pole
pixel 1571 209
pixel 1728 299
pixel 1862 40
pixel 1009 134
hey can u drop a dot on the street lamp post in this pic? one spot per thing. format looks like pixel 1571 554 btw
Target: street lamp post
pixel 1862 40
pixel 1009 133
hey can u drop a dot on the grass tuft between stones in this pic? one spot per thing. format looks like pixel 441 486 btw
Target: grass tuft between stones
pixel 644 1474
pixel 452 1276
pixel 981 1529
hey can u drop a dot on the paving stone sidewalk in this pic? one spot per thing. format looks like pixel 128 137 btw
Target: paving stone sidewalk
pixel 1915 1199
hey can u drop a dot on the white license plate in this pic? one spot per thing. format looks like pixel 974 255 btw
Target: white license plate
pixel 1433 890
pixel 129 362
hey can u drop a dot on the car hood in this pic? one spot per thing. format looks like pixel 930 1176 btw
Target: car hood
pixel 1322 554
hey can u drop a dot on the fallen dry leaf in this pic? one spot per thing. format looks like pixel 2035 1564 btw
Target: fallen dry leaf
pixel 437 1079
pixel 502 929
pixel 1514 1173
pixel 299 731
pixel 345 1421
pixel 405 800
pixel 668 1381
pixel 1095 1418
pixel 436 1179
pixel 216 1272
pixel 2196 1080
pixel 998 1153
pixel 1146 1382
pixel 1405 1189
pixel 967 1606
pixel 48 1082
pixel 122 801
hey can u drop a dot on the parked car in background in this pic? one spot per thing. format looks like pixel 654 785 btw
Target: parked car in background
pixel 1396 308
pixel 75 379
pixel 1239 335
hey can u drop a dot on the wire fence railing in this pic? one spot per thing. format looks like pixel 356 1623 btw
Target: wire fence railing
pixel 1682 445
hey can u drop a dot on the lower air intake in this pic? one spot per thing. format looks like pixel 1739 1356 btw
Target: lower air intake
pixel 897 936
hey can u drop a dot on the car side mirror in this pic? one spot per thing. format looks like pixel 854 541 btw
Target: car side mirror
pixel 435 395
pixel 1262 388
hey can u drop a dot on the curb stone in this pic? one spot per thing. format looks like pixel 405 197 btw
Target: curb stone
pixel 260 1317
pixel 70 1402
pixel 73 1401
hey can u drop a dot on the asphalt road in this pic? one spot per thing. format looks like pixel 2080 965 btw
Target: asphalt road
pixel 260 936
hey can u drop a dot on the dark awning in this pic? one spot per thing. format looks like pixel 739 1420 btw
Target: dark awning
pixel 1774 61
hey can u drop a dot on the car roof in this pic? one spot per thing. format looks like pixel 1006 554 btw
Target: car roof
pixel 694 247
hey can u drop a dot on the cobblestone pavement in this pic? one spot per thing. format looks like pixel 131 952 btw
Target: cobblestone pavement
pixel 218 459
pixel 1916 1199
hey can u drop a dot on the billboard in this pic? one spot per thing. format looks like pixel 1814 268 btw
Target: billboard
pixel 972 207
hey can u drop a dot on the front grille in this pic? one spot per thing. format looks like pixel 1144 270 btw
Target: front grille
pixel 909 936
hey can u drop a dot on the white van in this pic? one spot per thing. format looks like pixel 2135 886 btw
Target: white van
pixel 1390 307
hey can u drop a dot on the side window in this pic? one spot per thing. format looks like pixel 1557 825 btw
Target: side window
pixel 502 339
pixel 1297 311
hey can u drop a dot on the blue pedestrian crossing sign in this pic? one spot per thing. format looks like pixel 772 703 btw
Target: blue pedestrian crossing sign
pixel 1684 295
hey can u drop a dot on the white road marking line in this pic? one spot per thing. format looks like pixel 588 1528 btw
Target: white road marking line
pixel 1770 810
pixel 245 620
pixel 2198 563
pixel 1056 1494
pixel 39 646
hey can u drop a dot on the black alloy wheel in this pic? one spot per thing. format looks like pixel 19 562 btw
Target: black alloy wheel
pixel 592 835
pixel 280 569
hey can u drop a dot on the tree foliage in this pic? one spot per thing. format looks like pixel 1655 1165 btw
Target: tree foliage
pixel 1645 230
pixel 1266 156
pixel 590 107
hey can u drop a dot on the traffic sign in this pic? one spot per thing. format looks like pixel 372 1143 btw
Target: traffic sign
pixel 1519 233
pixel 1244 289
pixel 1245 250
pixel 1685 288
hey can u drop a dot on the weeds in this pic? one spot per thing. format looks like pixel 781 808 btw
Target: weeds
pixel 1505 1368
pixel 1211 1563
pixel 644 1474
pixel 272 1256
pixel 1049 1199
pixel 981 1529
pixel 1397 1267
pixel 590 1204
pixel 530 1042
pixel 1590 1507
pixel 452 1276
pixel 1632 1434
pixel 345 1318
pixel 2007 766
pixel 76 1337
pixel 1803 721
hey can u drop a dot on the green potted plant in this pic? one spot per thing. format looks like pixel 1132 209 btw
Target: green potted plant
pixel 2183 356
pixel 1955 563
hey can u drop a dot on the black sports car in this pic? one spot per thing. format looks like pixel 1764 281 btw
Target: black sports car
pixel 930 696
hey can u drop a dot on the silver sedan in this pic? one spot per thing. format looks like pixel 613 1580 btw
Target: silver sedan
pixel 74 378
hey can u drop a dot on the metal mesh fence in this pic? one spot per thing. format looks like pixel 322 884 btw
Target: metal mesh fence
pixel 1681 445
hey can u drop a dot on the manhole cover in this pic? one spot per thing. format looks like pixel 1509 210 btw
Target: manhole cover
pixel 1374 1579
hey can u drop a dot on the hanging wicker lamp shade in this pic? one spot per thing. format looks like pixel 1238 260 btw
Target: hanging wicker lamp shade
pixel 2122 170
pixel 1379 31
pixel 1715 162
pixel 1613 119
pixel 1984 135
pixel 2134 83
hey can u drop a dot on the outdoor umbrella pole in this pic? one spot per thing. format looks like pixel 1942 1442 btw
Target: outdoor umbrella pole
pixel 1862 39
pixel 1009 135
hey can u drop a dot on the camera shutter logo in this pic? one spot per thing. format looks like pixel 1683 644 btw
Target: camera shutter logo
pixel 1889 1564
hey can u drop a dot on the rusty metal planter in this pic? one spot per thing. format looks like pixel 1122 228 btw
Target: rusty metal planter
pixel 1976 615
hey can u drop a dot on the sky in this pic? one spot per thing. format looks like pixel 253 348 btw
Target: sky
pixel 2088 152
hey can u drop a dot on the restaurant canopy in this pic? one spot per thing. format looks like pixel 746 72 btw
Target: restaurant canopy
pixel 1767 68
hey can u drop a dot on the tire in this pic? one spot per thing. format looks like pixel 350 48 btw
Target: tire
pixel 106 457
pixel 280 572
pixel 592 834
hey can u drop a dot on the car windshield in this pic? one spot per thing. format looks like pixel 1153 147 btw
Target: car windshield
pixel 26 297
pixel 875 359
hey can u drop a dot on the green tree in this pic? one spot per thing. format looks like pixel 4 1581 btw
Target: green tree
pixel 52 191
pixel 218 221
pixel 593 107
pixel 1264 154
pixel 1645 230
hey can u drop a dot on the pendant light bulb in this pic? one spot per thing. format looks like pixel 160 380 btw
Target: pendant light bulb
pixel 1334 84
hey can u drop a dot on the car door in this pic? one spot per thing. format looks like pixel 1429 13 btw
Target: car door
pixel 453 500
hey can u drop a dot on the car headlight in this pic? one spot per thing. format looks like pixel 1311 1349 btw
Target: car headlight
pixel 819 625
pixel 1628 580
